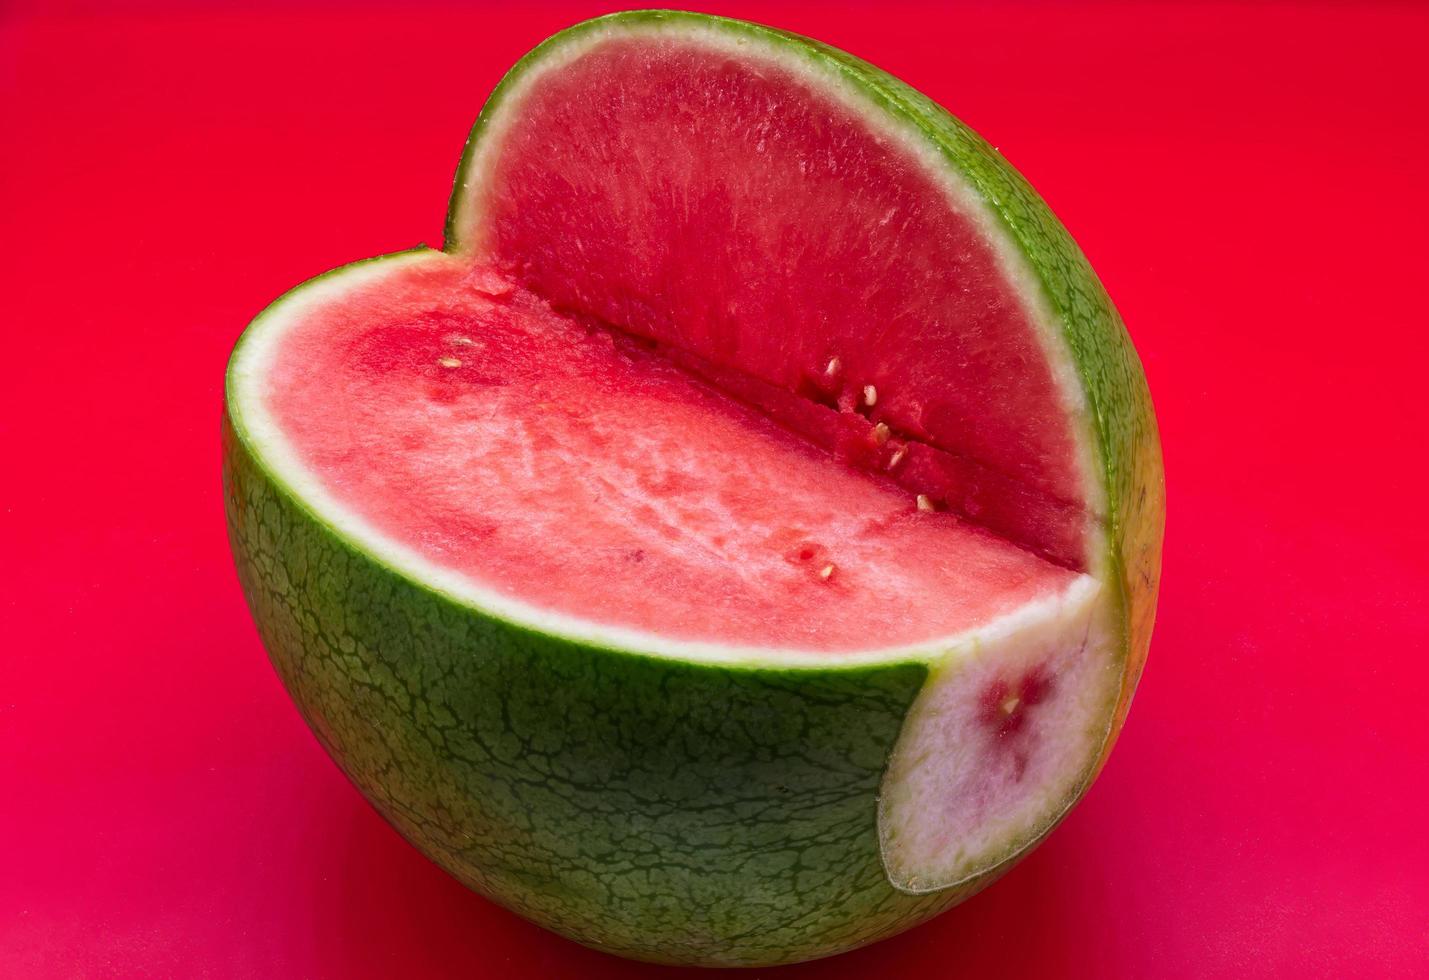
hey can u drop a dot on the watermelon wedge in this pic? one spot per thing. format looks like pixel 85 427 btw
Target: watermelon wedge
pixel 741 542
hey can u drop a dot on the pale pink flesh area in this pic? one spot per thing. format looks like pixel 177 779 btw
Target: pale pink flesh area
pixel 575 470
pixel 996 746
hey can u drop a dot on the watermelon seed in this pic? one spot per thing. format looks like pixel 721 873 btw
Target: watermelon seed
pixel 826 571
pixel 925 502
pixel 880 433
pixel 833 369
pixel 897 456
pixel 465 341
pixel 449 362
pixel 870 395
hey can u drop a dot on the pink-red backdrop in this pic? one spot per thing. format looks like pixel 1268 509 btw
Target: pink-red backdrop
pixel 1248 180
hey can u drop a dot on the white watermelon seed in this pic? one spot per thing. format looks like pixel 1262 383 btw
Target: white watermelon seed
pixel 870 395
pixel 449 362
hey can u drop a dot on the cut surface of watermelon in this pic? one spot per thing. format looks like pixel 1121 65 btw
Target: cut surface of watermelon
pixel 740 543
pixel 748 215
pixel 574 470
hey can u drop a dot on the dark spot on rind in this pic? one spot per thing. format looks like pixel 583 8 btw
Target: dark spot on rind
pixel 1006 703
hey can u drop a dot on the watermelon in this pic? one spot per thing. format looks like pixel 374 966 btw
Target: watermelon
pixel 740 542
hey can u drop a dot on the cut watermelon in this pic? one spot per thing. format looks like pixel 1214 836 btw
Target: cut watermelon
pixel 741 542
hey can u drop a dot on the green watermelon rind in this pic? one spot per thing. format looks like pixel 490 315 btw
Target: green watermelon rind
pixel 656 807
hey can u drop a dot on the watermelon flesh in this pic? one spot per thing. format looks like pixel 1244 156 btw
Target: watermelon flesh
pixel 700 388
pixel 574 469
pixel 747 217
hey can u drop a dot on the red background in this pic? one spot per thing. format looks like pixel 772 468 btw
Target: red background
pixel 1249 181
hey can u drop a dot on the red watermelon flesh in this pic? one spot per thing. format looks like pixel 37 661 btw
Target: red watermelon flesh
pixel 575 469
pixel 712 358
pixel 743 216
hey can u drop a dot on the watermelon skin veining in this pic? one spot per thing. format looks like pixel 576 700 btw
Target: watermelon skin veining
pixel 660 809
pixel 716 811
